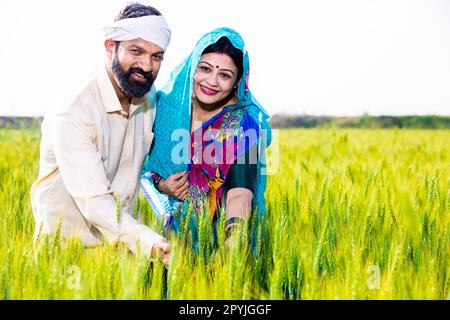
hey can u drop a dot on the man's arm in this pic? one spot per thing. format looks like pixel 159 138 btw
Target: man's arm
pixel 84 176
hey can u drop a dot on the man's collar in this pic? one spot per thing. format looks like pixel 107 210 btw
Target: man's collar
pixel 107 92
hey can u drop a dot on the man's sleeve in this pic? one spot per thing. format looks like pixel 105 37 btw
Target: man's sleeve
pixel 84 176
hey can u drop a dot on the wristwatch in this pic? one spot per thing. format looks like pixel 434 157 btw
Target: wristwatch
pixel 156 181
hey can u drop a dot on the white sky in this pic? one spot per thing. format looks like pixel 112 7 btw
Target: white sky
pixel 321 57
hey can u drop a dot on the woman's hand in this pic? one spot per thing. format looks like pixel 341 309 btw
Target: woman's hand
pixel 176 185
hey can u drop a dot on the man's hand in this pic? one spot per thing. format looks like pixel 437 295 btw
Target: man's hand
pixel 176 185
pixel 162 249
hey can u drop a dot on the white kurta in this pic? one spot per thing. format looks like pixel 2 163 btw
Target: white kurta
pixel 91 157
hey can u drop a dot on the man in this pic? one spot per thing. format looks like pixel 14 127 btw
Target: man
pixel 93 146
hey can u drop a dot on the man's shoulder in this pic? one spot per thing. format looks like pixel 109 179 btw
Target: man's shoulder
pixel 79 100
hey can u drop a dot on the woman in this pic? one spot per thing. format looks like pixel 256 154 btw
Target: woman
pixel 210 137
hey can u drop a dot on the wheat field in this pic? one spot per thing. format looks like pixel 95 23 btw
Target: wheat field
pixel 352 214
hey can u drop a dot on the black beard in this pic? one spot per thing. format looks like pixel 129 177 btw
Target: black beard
pixel 129 86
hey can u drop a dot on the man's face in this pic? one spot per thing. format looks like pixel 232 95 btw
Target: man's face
pixel 135 65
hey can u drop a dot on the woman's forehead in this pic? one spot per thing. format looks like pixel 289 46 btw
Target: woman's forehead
pixel 218 59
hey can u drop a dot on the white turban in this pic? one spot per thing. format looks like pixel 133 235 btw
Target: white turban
pixel 153 29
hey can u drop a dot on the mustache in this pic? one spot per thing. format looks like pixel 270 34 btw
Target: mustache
pixel 146 75
pixel 129 86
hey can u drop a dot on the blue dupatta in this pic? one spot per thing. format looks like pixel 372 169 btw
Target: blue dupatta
pixel 172 123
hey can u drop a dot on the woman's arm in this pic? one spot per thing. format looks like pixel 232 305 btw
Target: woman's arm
pixel 240 185
pixel 239 203
pixel 239 208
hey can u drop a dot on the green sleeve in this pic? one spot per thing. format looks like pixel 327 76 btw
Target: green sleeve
pixel 242 174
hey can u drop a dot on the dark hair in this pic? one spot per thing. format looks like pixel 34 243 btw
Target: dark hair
pixel 136 10
pixel 225 46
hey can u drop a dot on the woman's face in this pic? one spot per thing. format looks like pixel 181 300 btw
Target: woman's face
pixel 215 78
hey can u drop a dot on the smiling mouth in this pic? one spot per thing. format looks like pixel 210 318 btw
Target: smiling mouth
pixel 138 77
pixel 208 91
